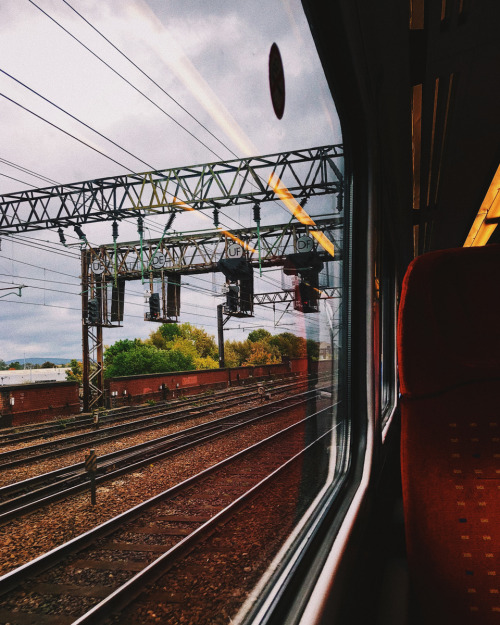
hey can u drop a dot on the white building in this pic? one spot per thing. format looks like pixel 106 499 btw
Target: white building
pixel 27 376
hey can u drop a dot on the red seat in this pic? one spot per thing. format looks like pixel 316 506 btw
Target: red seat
pixel 449 369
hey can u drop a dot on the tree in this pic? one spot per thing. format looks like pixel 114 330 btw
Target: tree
pixel 124 345
pixel 75 374
pixel 206 363
pixel 189 340
pixel 259 335
pixel 313 349
pixel 3 365
pixel 169 331
pixel 262 353
pixel 236 353
pixel 203 342
pixel 47 365
pixel 143 359
pixel 289 345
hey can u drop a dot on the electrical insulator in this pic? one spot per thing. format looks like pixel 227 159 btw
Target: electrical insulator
pixel 140 227
pixel 170 221
pixel 216 217
pixel 154 305
pixel 62 238
pixel 232 297
pixel 93 311
pixel 79 232
pixel 115 230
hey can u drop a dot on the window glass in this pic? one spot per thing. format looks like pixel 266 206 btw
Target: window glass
pixel 239 228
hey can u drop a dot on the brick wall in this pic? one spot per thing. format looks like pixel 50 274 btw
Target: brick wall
pixel 40 402
pixel 160 386
pixel 37 402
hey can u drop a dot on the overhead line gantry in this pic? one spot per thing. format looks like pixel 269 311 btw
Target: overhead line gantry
pixel 216 186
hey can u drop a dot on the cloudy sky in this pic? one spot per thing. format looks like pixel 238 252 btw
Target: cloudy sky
pixel 209 59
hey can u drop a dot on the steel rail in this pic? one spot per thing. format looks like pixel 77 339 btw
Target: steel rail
pixel 134 457
pixel 114 415
pixel 81 441
pixel 130 590
pixel 21 575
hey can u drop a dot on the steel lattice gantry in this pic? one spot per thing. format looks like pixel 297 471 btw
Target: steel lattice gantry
pixel 284 176
pixel 305 173
pixel 199 252
pixel 181 254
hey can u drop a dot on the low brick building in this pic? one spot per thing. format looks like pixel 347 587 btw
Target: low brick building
pixel 31 403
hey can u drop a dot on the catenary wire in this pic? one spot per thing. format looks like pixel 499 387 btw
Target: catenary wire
pixel 124 79
pixel 27 171
pixel 65 131
pixel 151 79
pixel 139 91
pixel 75 118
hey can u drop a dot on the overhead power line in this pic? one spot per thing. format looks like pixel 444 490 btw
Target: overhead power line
pixel 65 131
pixel 28 171
pixel 19 82
pixel 17 180
pixel 150 79
pixel 124 79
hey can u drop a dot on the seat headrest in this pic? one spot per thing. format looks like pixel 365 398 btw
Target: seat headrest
pixel 449 320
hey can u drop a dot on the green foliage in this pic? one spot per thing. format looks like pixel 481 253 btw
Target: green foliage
pixel 148 359
pixel 313 349
pixel 169 331
pixel 76 372
pixel 206 363
pixel 203 342
pixel 120 347
pixel 263 353
pixel 289 345
pixel 262 348
pixel 259 335
pixel 15 365
pixel 3 365
pixel 236 353
pixel 185 347
pixel 157 339
pixel 47 365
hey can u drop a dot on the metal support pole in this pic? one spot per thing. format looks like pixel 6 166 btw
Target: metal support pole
pixel 220 334
pixel 85 333
pixel 100 365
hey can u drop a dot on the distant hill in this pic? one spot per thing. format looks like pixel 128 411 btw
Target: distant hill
pixel 39 361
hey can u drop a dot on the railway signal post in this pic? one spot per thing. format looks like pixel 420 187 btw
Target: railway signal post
pixel 91 468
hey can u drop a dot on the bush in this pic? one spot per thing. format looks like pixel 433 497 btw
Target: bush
pixel 143 359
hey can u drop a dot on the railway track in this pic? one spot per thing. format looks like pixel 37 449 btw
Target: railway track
pixel 34 453
pixel 89 578
pixel 110 416
pixel 23 497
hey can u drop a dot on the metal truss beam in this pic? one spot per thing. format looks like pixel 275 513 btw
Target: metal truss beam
pixel 289 296
pixel 191 253
pixel 305 173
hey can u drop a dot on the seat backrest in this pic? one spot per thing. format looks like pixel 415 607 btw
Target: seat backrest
pixel 449 369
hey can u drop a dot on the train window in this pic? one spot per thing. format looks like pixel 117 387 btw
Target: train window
pixel 240 227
